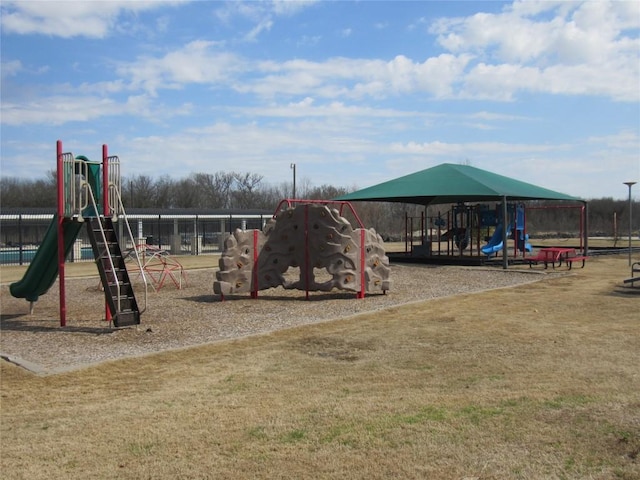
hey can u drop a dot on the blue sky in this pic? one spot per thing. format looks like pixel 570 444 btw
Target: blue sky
pixel 353 93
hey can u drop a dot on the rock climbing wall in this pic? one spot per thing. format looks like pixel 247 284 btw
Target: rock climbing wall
pixel 311 237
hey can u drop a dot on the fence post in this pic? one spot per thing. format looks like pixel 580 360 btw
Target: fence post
pixel 20 239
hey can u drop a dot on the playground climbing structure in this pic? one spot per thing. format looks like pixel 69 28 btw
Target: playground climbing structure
pixel 463 228
pixel 88 193
pixel 158 265
pixel 310 236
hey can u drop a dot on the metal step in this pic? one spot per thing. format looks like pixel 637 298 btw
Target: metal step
pixel 126 318
pixel 111 266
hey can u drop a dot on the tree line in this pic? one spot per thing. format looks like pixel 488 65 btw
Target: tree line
pixel 220 190
pixel 248 191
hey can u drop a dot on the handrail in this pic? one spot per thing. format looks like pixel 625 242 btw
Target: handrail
pixel 290 202
pixel 83 201
pixel 67 178
pixel 126 222
pixel 113 177
pixel 113 188
pixel 86 185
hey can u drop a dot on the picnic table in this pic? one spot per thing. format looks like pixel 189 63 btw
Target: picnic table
pixel 551 255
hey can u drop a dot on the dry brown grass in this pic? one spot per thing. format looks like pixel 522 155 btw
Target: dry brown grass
pixel 535 381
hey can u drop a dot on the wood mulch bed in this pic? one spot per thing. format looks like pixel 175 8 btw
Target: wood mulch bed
pixel 194 315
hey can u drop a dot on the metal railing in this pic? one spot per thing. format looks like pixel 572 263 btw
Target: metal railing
pixel 106 246
pixel 120 207
pixel 178 234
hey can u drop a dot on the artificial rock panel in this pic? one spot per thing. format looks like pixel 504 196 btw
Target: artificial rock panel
pixel 311 237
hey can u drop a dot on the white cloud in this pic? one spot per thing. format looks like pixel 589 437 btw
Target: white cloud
pixel 357 78
pixel 491 116
pixel 552 47
pixel 625 139
pixel 10 68
pixel 569 32
pixel 197 62
pixel 309 41
pixel 263 26
pixel 577 49
pixel 289 7
pixel 262 13
pixel 440 149
pixel 69 19
pixel 76 107
pixel 307 108
pixel 543 48
pixel 257 11
pixel 55 110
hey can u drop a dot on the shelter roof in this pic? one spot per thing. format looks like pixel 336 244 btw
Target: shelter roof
pixel 450 183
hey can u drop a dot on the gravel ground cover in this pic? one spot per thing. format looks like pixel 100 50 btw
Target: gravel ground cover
pixel 194 315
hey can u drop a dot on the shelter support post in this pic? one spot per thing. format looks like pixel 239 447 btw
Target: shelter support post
pixel 505 253
pixel 585 224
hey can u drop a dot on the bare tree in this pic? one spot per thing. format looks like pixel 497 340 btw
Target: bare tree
pixel 246 186
pixel 204 189
pixel 140 192
pixel 223 183
pixel 164 192
pixel 325 192
pixel 185 194
pixel 245 190
pixel 19 192
pixel 303 188
pixel 11 192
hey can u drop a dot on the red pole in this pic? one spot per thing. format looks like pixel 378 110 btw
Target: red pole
pixel 105 180
pixel 105 211
pixel 254 287
pixel 60 220
pixel 362 264
pixel 306 250
pixel 582 230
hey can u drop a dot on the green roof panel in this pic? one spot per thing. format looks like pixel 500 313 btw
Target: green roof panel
pixel 450 183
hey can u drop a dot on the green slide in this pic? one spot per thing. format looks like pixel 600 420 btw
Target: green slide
pixel 43 270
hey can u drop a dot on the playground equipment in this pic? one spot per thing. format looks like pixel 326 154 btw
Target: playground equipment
pixel 158 265
pixel 463 217
pixel 635 274
pixel 454 236
pixel 516 219
pixel 309 235
pixel 88 193
pixel 462 228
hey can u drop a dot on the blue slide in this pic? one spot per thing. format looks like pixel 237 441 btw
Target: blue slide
pixel 495 244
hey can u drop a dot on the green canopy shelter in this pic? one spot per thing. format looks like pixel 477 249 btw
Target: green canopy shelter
pixel 450 183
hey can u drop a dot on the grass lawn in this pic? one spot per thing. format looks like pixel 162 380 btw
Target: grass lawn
pixel 536 381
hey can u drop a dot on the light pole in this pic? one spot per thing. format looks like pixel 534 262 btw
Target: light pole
pixel 630 184
pixel 293 167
